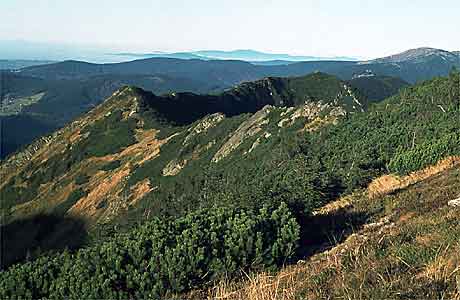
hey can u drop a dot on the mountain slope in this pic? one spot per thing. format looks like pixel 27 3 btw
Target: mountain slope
pixel 137 141
pixel 136 117
pixel 56 102
pixel 136 144
pixel 419 55
pixel 127 172
pixel 376 88
pixel 416 64
pixel 409 247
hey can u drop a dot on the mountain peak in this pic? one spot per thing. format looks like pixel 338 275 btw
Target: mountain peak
pixel 416 54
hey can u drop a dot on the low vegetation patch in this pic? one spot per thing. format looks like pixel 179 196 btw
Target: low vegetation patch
pixel 107 136
pixel 161 256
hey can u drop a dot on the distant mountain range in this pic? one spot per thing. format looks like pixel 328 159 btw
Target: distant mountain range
pixel 14 64
pixel 411 66
pixel 51 95
pixel 245 55
pixel 28 50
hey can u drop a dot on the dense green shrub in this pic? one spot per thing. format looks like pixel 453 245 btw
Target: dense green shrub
pixel 111 166
pixel 82 179
pixel 107 136
pixel 73 198
pixel 404 133
pixel 160 256
pixel 425 154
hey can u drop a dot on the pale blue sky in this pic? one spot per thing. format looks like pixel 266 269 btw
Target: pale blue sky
pixel 325 28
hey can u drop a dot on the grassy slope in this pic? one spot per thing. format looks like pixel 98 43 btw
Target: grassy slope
pixel 408 249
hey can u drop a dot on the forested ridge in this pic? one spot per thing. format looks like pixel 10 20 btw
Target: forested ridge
pixel 72 88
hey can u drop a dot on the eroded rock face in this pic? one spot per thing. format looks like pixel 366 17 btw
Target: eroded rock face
pixel 248 128
pixel 204 125
pixel 257 142
pixel 308 111
pixel 357 105
pixel 175 166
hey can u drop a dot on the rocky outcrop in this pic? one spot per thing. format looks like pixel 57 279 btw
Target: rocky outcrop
pixel 248 128
pixel 203 126
pixel 265 136
pixel 357 106
pixel 176 165
pixel 308 111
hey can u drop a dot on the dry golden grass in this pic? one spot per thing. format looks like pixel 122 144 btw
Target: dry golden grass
pixel 108 188
pixel 390 183
pixel 334 206
pixel 411 250
pixel 42 204
pixel 312 279
pixel 139 190
pixel 262 286
pixel 445 266
pixel 105 188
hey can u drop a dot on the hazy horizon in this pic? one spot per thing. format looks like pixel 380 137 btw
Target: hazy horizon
pixel 328 29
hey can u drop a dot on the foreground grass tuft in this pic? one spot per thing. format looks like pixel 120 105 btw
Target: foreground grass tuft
pixel 410 249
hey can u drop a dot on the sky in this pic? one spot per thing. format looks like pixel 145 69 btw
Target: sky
pixel 358 28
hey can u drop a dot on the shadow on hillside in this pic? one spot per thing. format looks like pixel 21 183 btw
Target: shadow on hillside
pixel 28 238
pixel 325 231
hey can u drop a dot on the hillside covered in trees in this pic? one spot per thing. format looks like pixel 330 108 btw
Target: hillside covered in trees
pixel 175 200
